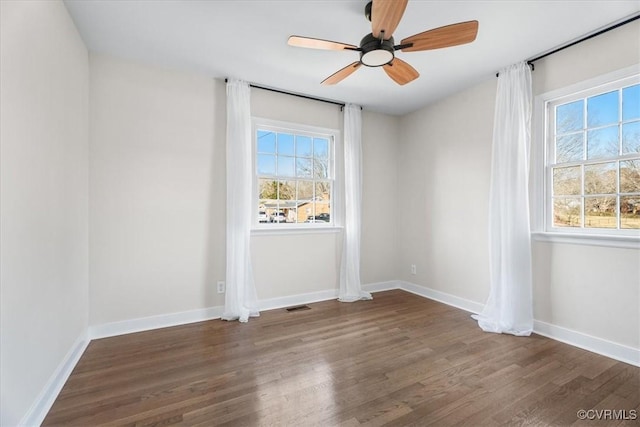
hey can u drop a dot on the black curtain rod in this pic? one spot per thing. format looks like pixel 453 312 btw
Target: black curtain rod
pixel 580 40
pixel 585 38
pixel 299 95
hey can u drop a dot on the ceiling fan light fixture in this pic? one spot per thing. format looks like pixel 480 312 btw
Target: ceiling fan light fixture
pixel 376 58
pixel 375 52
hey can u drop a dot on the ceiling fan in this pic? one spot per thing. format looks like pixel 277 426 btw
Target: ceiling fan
pixel 377 48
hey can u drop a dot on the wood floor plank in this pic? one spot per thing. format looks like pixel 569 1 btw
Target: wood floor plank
pixel 397 360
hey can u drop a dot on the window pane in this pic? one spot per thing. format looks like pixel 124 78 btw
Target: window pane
pixel 630 212
pixel 600 178
pixel 566 212
pixel 286 192
pixel 630 176
pixel 567 181
pixel 263 216
pixel 266 142
pixel 304 167
pixel 600 212
pixel 285 144
pixel 631 138
pixel 303 146
pixel 266 164
pixel 569 147
pixel 321 168
pixel 323 191
pixel 321 148
pixel 603 109
pixel 602 143
pixel 286 203
pixel 569 117
pixel 631 102
pixel 268 190
pixel 268 198
pixel 305 191
pixel 306 205
pixel 286 166
pixel 316 209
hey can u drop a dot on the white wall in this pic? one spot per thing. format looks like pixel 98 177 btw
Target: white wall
pixel 445 160
pixel 380 200
pixel 157 195
pixel 157 210
pixel 443 185
pixel 44 77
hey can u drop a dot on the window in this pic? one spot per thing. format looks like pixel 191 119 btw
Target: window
pixel 294 174
pixel 592 160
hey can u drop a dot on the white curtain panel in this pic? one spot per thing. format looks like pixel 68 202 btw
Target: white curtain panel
pixel 509 308
pixel 241 301
pixel 350 286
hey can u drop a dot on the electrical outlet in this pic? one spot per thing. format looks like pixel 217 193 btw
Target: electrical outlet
pixel 221 287
pixel 413 269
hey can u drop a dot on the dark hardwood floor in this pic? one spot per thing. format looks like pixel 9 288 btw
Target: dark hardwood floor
pixel 398 360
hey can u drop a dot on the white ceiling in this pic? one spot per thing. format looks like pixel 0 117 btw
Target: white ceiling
pixel 248 40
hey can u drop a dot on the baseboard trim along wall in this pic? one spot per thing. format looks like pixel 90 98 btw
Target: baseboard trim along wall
pixel 291 300
pixel 601 346
pixel 597 345
pixel 112 329
pixel 445 298
pixel 153 322
pixel 41 406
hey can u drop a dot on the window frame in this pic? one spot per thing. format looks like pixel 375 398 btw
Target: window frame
pixel 333 135
pixel 543 160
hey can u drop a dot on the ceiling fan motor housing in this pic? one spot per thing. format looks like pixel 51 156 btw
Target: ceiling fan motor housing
pixel 375 52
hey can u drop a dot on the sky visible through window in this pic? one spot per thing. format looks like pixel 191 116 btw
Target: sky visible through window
pixel 289 155
pixel 596 176
pixel 294 177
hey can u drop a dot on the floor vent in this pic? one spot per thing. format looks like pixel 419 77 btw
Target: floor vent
pixel 298 308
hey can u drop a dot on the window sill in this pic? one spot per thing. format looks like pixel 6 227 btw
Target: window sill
pixel 263 231
pixel 628 242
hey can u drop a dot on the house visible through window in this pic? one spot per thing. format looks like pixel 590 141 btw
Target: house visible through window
pixel 294 174
pixel 593 160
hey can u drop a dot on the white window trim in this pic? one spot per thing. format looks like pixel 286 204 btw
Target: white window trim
pixel 540 229
pixel 291 228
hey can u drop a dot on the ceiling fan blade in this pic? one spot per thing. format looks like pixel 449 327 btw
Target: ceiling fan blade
pixel 401 72
pixel 385 16
pixel 312 43
pixel 447 36
pixel 342 74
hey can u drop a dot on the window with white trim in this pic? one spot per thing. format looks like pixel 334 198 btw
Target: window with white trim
pixel 294 174
pixel 592 160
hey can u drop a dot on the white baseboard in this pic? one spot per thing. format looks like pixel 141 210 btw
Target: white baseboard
pixel 154 322
pixel 610 349
pixel 292 300
pixel 443 297
pixel 601 346
pixel 381 286
pixel 112 329
pixel 42 404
